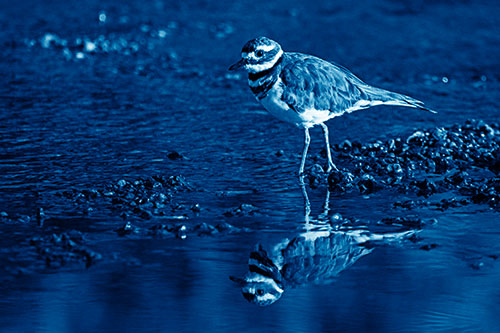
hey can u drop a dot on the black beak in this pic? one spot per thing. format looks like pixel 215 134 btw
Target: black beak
pixel 249 297
pixel 239 281
pixel 238 65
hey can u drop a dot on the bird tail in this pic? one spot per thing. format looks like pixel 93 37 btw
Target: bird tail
pixel 384 97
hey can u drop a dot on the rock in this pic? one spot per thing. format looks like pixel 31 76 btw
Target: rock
pixel 315 175
pixel 60 249
pixel 242 210
pixel 428 247
pixel 367 184
pixel 126 229
pixel 175 156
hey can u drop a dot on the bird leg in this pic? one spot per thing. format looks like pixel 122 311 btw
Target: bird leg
pixel 307 140
pixel 328 153
pixel 326 206
pixel 307 204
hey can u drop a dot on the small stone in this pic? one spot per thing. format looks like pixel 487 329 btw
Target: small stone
pixel 126 229
pixel 180 231
pixel 428 247
pixel 175 155
pixel 336 218
pixel 196 208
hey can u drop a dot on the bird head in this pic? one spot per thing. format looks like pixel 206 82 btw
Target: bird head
pixel 258 55
pixel 263 284
pixel 258 289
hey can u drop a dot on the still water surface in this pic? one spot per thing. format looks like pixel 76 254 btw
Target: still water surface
pixel 95 92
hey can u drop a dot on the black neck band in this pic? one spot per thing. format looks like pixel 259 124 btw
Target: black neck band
pixel 256 76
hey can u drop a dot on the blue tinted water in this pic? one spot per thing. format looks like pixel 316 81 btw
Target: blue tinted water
pixel 94 92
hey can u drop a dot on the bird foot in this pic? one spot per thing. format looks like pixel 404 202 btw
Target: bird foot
pixel 331 167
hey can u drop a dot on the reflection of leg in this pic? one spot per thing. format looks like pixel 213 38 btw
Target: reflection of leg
pixel 326 206
pixel 307 140
pixel 328 152
pixel 307 204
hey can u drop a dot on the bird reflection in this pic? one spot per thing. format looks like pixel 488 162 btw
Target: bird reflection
pixel 315 256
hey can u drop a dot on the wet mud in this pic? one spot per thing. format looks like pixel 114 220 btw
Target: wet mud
pixel 460 162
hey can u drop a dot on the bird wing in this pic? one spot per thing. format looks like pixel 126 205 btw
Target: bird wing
pixel 312 83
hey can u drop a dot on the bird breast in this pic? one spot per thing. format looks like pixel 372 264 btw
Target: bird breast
pixel 308 117
pixel 277 107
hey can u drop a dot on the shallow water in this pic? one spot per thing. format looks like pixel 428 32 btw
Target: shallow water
pixel 95 92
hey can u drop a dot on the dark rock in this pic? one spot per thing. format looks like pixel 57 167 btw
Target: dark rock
pixel 180 231
pixel 336 219
pixel 428 247
pixel 457 178
pixel 175 156
pixel 424 187
pixel 315 175
pixel 410 204
pixel 226 228
pixel 202 229
pixel 121 183
pixel 205 229
pixel 126 229
pixel 367 184
pixel 452 202
pixel 242 210
pixel 407 222
pixel 24 219
pixel 340 180
pixel 196 208
pixel 58 250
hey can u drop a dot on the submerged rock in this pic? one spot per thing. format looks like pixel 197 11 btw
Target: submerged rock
pixel 58 250
pixel 143 198
pixel 182 231
pixel 126 229
pixel 242 210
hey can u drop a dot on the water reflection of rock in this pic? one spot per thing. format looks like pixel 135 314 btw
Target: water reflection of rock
pixel 316 256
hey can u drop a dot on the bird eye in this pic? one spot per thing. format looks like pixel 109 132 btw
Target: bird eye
pixel 260 292
pixel 259 53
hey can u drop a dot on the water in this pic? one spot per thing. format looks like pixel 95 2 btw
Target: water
pixel 95 92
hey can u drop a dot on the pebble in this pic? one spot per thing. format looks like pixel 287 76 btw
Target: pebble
pixel 242 210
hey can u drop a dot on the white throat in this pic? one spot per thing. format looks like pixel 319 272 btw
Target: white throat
pixel 256 68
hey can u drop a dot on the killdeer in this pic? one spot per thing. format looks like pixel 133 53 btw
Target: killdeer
pixel 315 257
pixel 306 91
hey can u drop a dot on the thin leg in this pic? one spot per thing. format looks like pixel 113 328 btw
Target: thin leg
pixel 307 204
pixel 326 206
pixel 328 153
pixel 307 140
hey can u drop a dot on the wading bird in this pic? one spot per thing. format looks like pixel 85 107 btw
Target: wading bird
pixel 305 90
